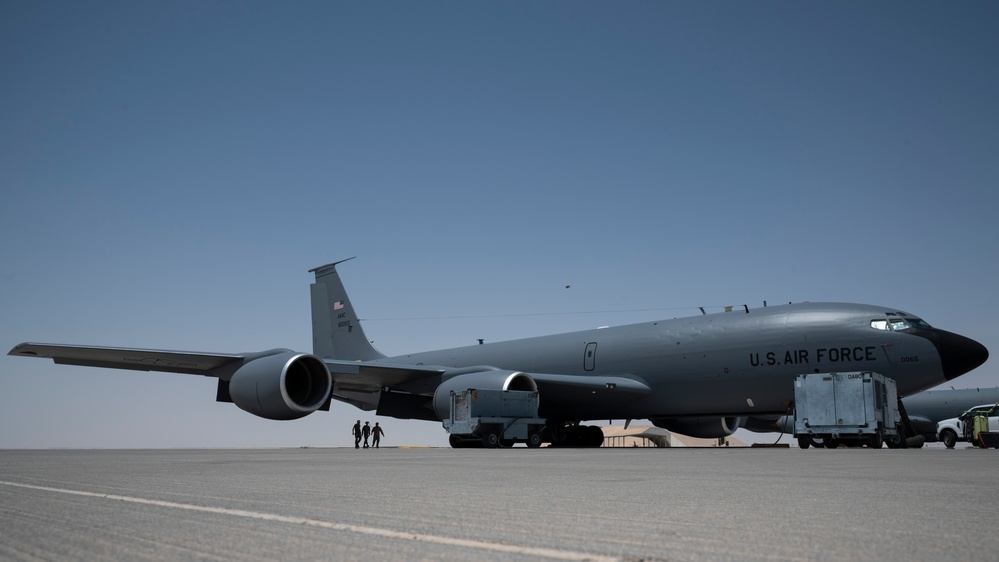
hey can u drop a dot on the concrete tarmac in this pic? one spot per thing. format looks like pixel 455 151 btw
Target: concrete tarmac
pixel 514 504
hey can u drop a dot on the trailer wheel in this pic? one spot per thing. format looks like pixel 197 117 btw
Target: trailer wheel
pixel 804 442
pixel 534 439
pixel 491 439
pixel 896 441
pixel 877 441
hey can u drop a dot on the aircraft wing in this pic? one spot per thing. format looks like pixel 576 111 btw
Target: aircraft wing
pixel 363 384
pixel 186 362
pixel 418 379
pixel 407 390
pixel 349 375
pixel 372 377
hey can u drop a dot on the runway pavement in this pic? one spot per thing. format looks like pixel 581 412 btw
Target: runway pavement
pixel 516 504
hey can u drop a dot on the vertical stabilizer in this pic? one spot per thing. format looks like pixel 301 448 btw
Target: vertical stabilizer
pixel 336 331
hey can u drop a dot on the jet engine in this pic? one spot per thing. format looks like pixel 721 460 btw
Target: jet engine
pixel 480 380
pixel 285 386
pixel 704 428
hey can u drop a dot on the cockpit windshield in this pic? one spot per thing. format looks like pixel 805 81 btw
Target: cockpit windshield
pixel 898 324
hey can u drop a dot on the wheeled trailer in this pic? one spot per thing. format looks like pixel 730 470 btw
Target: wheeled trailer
pixel 494 418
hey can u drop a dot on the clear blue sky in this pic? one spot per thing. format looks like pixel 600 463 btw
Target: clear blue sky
pixel 171 170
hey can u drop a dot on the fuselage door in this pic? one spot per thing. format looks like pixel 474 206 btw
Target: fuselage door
pixel 590 356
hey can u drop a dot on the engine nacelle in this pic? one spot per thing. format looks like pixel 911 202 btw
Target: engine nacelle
pixel 479 380
pixel 703 428
pixel 286 386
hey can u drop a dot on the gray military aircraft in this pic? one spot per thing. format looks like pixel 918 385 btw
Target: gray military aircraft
pixel 701 376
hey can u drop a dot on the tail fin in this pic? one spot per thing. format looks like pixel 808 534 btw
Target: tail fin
pixel 336 331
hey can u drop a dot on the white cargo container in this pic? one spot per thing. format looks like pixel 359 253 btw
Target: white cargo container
pixel 854 408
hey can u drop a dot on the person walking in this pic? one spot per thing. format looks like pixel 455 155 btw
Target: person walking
pixel 366 431
pixel 357 434
pixel 376 435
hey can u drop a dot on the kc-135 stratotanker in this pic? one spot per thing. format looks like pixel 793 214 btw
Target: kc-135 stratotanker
pixel 703 376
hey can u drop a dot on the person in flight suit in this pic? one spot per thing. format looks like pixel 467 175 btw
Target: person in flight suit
pixel 376 435
pixel 366 431
pixel 357 434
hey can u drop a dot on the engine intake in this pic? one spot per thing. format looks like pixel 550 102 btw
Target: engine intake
pixel 481 380
pixel 285 386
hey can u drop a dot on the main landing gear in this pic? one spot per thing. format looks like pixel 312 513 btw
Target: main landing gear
pixel 575 435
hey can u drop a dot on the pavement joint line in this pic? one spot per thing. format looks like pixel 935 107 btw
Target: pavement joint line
pixel 360 529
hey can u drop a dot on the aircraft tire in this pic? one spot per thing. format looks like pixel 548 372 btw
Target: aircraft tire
pixel 456 442
pixel 574 437
pixel 832 443
pixel 594 436
pixel 804 442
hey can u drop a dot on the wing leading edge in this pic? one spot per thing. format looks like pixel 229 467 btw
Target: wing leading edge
pixel 185 362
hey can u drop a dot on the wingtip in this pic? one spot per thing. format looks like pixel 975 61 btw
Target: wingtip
pixel 19 350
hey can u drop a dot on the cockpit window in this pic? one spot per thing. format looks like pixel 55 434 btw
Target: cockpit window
pixel 898 324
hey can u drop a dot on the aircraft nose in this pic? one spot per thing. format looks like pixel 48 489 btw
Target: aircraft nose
pixel 958 354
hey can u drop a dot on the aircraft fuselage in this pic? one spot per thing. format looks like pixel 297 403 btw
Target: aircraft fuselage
pixel 732 363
